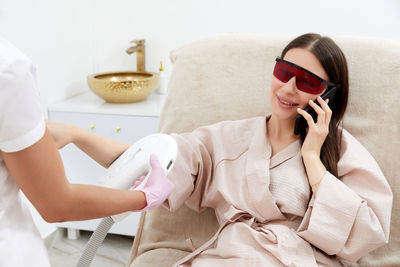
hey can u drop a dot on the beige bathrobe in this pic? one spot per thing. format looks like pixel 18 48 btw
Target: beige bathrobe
pixel 267 213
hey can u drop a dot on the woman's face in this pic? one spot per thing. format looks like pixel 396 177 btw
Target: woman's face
pixel 285 97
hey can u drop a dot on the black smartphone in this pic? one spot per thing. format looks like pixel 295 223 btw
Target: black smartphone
pixel 301 124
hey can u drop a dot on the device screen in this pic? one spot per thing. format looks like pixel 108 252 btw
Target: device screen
pixel 301 124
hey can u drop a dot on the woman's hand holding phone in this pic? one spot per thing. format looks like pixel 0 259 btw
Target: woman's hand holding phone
pixel 317 131
pixel 315 138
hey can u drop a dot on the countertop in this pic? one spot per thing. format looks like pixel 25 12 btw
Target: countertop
pixel 89 103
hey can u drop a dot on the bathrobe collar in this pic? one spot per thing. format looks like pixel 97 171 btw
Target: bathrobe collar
pixel 260 150
pixel 287 153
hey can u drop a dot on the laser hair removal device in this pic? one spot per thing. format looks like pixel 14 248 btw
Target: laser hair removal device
pixel 123 173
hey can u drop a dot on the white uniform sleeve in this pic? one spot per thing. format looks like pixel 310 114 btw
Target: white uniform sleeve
pixel 21 114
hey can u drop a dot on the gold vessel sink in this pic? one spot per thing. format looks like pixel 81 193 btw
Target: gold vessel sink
pixel 123 86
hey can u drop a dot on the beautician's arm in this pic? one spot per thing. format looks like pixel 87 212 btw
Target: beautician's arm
pixel 39 172
pixel 103 151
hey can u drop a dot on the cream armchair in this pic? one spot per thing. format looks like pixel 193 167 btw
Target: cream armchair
pixel 228 77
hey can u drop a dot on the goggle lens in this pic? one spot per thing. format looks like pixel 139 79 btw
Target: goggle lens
pixel 305 80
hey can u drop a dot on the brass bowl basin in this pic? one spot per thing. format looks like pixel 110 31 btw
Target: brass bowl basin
pixel 123 86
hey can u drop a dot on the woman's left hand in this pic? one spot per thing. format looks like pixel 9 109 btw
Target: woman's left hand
pixel 317 132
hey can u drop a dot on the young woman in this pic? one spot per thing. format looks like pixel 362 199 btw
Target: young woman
pixel 283 199
pixel 29 161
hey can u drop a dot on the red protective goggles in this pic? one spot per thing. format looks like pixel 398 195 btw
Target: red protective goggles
pixel 306 81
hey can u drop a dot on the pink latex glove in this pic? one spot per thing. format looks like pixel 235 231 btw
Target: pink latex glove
pixel 158 187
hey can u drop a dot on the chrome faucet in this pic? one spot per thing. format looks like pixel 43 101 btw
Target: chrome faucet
pixel 139 48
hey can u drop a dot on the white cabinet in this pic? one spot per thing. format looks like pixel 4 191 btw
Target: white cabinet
pixel 122 122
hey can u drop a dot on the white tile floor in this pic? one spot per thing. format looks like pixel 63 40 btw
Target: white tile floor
pixel 64 252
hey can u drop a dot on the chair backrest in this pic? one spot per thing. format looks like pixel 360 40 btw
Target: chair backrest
pixel 228 77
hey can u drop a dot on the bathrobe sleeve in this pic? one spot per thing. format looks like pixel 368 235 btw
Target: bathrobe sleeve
pixel 193 167
pixel 350 216
pixel 199 152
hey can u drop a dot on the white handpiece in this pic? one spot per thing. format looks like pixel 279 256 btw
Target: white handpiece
pixel 135 163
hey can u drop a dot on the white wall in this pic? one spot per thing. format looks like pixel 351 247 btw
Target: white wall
pixel 68 40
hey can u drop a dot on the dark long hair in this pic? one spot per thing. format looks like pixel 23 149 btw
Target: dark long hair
pixel 334 63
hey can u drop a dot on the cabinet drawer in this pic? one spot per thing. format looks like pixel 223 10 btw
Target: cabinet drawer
pixel 118 127
pixel 79 167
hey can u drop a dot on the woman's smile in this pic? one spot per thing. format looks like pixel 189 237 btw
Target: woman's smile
pixel 286 103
